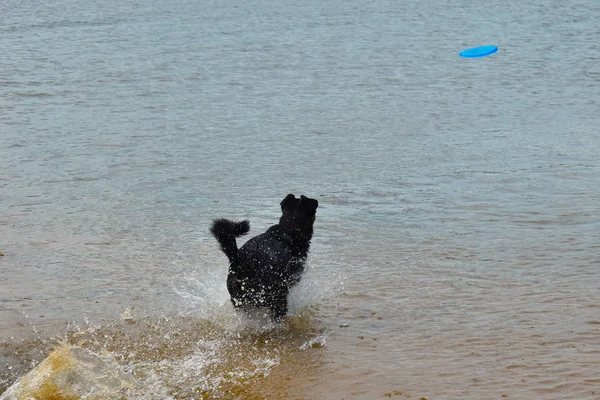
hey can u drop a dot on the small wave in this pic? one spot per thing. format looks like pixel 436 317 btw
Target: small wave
pixel 60 24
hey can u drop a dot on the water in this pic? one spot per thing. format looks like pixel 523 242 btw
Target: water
pixel 456 247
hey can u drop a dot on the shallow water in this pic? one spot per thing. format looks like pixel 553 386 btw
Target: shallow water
pixel 457 244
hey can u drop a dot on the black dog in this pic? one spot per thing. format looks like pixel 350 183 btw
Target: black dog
pixel 264 269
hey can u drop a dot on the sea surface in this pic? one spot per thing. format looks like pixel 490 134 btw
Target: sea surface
pixel 456 252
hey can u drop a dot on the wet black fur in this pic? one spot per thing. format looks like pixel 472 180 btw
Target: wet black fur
pixel 264 269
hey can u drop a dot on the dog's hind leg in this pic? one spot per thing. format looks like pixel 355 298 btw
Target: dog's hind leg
pixel 278 305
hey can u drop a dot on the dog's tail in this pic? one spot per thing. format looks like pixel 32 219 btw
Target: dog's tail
pixel 225 231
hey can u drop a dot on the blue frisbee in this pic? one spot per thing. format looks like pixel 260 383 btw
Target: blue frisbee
pixel 476 52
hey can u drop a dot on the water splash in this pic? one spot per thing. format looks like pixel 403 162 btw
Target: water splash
pixel 199 346
pixel 184 357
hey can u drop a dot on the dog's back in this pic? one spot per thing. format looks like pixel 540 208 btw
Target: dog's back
pixel 267 258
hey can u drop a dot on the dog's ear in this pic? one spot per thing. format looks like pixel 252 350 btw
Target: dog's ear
pixel 310 203
pixel 285 203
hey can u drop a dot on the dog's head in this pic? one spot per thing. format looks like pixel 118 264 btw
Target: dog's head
pixel 298 214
